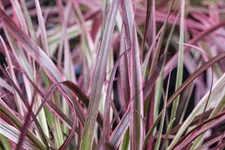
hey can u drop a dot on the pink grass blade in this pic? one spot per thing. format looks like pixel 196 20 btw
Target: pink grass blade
pixel 184 85
pixel 68 67
pixel 150 26
pixel 28 20
pixel 73 126
pixel 70 136
pixel 136 92
pixel 137 111
pixel 160 78
pixel 147 88
pixel 4 84
pixel 44 39
pixel 26 124
pixel 86 37
pixel 19 125
pixel 25 101
pixel 159 44
pixel 18 12
pixel 108 101
pixel 71 107
pixel 210 142
pixel 54 109
pixel 37 54
pixel 31 48
pixel 218 119
pixel 88 45
pixel 200 125
pixel 83 97
pixel 158 141
pixel 12 133
pixel 75 89
pixel 124 75
pixel 12 73
pixel 193 41
pixel 119 131
pixel 180 66
pixel 150 102
pixel 146 60
pixel 99 75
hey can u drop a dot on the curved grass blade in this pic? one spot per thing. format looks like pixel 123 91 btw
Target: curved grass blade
pixel 12 73
pixel 38 55
pixel 31 48
pixel 25 101
pixel 83 97
pixel 106 123
pixel 26 124
pixel 52 107
pixel 208 143
pixel 216 110
pixel 214 121
pixel 70 136
pixel 182 87
pixel 76 90
pixel 173 61
pixel 73 126
pixel 19 125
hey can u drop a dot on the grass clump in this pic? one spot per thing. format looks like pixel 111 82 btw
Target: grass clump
pixel 120 74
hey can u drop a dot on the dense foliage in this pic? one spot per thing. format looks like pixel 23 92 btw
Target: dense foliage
pixel 112 74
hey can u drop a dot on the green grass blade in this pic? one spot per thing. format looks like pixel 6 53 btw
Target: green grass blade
pixel 98 79
pixel 180 67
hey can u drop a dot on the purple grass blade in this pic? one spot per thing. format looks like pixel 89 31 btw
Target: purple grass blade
pixel 106 123
pixel 38 55
pixel 185 84
pixel 25 101
pixel 151 81
pixel 83 97
pixel 98 79
pixel 44 39
pixel 150 27
pixel 137 112
pixel 26 125
pixel 124 75
pixel 218 119
pixel 136 92
pixel 173 61
pixel 119 131
pixel 72 131
pixel 12 73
